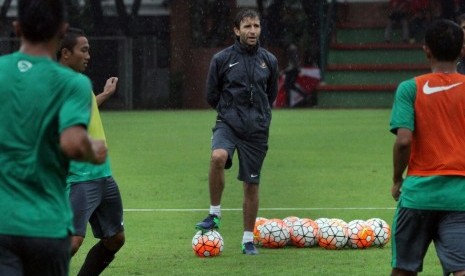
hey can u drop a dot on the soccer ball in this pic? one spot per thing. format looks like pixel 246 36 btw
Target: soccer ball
pixel 321 221
pixel 207 243
pixel 259 221
pixel 332 235
pixel 289 221
pixel 381 231
pixel 338 221
pixel 274 234
pixel 304 233
pixel 360 234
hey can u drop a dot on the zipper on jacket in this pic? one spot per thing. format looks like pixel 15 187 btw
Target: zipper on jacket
pixel 251 89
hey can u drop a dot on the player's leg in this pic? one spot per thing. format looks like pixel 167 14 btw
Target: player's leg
pixel 251 157
pixel 216 181
pixel 76 242
pixel 405 29
pixel 250 206
pixel 216 175
pixel 401 272
pixel 84 198
pixel 413 231
pixel 111 227
pixel 249 213
pixel 388 31
pixel 450 245
pixel 107 225
pixel 223 146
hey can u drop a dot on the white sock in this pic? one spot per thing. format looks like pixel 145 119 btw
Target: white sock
pixel 215 210
pixel 248 237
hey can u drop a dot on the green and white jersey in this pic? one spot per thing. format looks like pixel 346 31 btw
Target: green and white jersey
pixel 39 99
pixel 424 192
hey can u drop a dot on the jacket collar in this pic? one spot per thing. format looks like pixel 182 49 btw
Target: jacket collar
pixel 246 49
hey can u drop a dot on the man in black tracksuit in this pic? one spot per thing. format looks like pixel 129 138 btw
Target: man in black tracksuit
pixel 242 85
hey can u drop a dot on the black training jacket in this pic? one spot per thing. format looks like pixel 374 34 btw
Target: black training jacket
pixel 242 85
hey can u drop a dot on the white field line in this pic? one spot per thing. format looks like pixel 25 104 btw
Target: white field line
pixel 263 209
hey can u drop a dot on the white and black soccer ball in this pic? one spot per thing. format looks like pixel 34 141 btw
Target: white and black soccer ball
pixel 304 233
pixel 274 234
pixel 289 221
pixel 207 243
pixel 332 236
pixel 360 234
pixel 381 231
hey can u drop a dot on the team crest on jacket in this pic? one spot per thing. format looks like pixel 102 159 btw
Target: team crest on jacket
pixel 263 65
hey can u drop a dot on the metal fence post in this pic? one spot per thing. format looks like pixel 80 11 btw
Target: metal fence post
pixel 128 93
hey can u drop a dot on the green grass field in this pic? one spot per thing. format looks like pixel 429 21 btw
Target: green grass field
pixel 321 163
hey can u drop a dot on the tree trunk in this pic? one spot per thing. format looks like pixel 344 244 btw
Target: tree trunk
pixel 127 21
pixel 312 50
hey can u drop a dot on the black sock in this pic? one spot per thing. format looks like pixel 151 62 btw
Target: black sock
pixel 98 258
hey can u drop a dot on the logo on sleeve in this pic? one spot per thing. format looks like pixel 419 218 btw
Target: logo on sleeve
pixel 435 89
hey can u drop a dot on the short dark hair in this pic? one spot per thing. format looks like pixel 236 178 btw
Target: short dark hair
pixel 41 20
pixel 445 39
pixel 244 13
pixel 70 40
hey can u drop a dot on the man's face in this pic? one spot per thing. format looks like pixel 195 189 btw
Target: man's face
pixel 249 31
pixel 79 57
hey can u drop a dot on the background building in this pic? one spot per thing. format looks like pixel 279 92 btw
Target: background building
pixel 161 49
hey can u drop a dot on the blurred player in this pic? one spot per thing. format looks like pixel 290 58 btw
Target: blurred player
pixel 428 118
pixel 94 194
pixel 45 111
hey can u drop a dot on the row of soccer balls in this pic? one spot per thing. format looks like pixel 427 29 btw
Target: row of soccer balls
pixel 303 232
pixel 327 233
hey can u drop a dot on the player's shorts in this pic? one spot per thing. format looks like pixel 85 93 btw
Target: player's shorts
pixel 34 256
pixel 99 203
pixel 250 154
pixel 413 232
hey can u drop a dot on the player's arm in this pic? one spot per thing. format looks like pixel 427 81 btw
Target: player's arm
pixel 213 84
pixel 272 88
pixel 401 157
pixel 77 145
pixel 402 124
pixel 108 90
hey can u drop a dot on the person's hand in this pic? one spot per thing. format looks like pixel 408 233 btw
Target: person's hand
pixel 396 189
pixel 108 90
pixel 100 151
pixel 110 86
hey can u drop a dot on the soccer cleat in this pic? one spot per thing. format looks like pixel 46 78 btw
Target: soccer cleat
pixel 249 249
pixel 209 223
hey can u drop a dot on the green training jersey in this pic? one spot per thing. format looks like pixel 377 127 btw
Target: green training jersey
pixel 39 99
pixel 420 192
pixel 83 171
